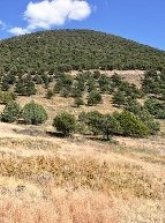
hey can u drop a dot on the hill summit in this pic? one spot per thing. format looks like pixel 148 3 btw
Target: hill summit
pixel 76 49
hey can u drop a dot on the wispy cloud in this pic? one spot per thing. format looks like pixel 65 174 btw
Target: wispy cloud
pixel 48 13
pixel 18 31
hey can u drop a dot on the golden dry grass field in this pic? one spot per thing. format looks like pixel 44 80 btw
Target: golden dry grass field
pixel 46 179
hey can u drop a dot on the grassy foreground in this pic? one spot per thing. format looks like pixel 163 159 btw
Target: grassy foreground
pixel 49 180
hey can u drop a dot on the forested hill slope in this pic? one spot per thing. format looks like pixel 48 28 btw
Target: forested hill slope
pixel 76 49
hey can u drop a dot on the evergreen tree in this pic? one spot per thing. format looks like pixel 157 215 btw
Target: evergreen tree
pixel 65 123
pixel 78 102
pixel 34 113
pixel 94 98
pixel 11 112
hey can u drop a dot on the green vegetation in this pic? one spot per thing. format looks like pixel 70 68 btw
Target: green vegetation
pixel 44 58
pixel 94 98
pixel 76 49
pixel 142 113
pixel 34 114
pixel 110 126
pixel 156 108
pixel 11 112
pixel 6 97
pixel 78 102
pixel 93 120
pixel 124 123
pixel 119 98
pixel 49 94
pixel 154 83
pixel 131 125
pixel 135 120
pixel 25 87
pixel 65 123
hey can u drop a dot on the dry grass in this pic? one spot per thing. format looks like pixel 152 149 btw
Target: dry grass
pixel 45 179
pixel 74 207
pixel 64 180
pixel 58 104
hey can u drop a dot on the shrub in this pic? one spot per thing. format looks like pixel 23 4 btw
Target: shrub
pixel 93 120
pixel 156 108
pixel 65 123
pixel 65 82
pixel 6 97
pixel 144 115
pixel 78 102
pixel 76 92
pixel 119 98
pixel 110 126
pixel 65 93
pixel 116 79
pixel 34 114
pixel 131 125
pixel 130 90
pixel 104 83
pixel 49 94
pixel 11 112
pixel 149 121
pixel 94 98
pixel 91 84
pixel 45 80
pixel 29 89
pixel 5 84
pixel 25 88
pixel 133 106
pixel 37 79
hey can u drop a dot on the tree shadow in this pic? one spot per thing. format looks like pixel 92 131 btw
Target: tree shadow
pixel 55 134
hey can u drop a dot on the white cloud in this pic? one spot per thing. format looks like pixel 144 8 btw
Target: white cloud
pixel 18 31
pixel 48 13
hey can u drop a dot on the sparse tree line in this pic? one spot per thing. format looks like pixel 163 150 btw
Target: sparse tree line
pixel 87 89
pixel 31 113
pixel 124 123
pixel 86 83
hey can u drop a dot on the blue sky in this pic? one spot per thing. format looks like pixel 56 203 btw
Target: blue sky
pixel 140 20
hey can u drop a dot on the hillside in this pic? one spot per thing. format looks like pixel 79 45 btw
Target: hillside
pixel 76 49
pixel 81 145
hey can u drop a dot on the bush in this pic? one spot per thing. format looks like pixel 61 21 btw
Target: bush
pixel 144 115
pixel 11 112
pixel 65 123
pixel 5 85
pixel 149 121
pixel 63 85
pixel 25 88
pixel 119 98
pixel 77 89
pixel 131 125
pixel 156 108
pixel 91 84
pixel 6 97
pixel 133 106
pixel 34 114
pixel 116 79
pixel 130 90
pixel 65 93
pixel 93 120
pixel 110 126
pixel 49 94
pixel 94 98
pixel 78 102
